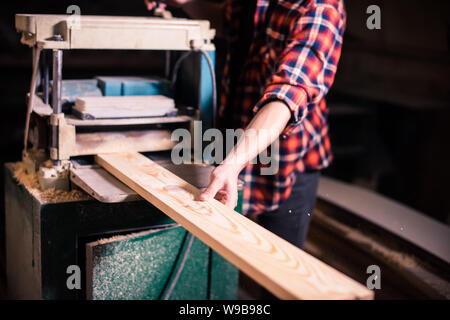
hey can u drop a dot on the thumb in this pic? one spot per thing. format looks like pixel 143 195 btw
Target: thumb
pixel 211 191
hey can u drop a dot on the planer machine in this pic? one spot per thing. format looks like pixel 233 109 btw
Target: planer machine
pixel 125 248
pixel 70 120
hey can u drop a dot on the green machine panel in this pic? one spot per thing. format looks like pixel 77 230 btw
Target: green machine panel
pixel 156 264
pixel 132 250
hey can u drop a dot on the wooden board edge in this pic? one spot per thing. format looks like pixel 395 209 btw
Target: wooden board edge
pixel 270 284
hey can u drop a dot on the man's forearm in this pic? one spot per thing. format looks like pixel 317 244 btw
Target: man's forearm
pixel 265 127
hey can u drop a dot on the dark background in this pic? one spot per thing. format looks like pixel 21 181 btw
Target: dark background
pixel 389 106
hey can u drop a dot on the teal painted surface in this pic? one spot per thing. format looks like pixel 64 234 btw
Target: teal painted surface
pixel 224 279
pixel 240 199
pixel 134 86
pixel 136 268
pixel 146 87
pixel 110 86
pixel 145 267
pixel 72 89
pixel 65 224
pixel 206 87
pixel 192 283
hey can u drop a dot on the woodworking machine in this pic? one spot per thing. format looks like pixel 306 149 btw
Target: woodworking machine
pixel 60 131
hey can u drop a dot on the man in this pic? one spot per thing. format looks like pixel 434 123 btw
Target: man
pixel 281 61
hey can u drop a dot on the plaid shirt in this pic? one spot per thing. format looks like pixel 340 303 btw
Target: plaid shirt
pixel 292 57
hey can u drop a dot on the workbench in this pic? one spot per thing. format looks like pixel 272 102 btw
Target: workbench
pixel 44 238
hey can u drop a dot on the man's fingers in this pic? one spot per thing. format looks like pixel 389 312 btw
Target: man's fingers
pixel 211 190
pixel 220 195
pixel 224 190
pixel 231 199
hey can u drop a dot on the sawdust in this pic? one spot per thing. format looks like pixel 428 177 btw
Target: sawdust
pixel 30 181
pixel 132 235
pixel 134 268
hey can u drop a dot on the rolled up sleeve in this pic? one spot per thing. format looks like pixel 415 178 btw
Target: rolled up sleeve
pixel 305 70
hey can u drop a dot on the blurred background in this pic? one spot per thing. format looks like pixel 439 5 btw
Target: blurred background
pixel 389 106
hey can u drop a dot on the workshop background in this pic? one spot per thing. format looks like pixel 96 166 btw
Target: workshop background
pixel 389 106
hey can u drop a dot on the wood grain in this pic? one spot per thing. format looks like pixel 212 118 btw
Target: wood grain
pixel 282 268
pixel 98 183
pixel 125 106
pixel 132 102
pixel 122 141
pixel 71 120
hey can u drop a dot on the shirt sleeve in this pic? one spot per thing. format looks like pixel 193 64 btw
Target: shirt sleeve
pixel 307 65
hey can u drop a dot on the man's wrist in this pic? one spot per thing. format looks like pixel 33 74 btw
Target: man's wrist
pixel 232 165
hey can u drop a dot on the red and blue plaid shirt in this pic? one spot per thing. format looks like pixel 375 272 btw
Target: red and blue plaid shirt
pixel 293 54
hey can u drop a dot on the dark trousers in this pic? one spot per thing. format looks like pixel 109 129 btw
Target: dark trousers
pixel 291 220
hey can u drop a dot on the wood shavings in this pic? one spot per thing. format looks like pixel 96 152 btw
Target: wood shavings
pixel 30 181
pixel 127 236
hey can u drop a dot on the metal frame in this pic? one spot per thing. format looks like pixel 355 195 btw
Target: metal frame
pixel 53 33
pixel 109 32
pixel 56 100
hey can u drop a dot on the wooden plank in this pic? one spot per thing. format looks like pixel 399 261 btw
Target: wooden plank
pixel 104 187
pixel 101 185
pixel 86 103
pixel 71 120
pixel 125 106
pixel 282 268
pixel 40 107
pixel 122 141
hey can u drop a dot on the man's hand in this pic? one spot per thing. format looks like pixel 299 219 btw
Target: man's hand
pixel 264 128
pixel 223 185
